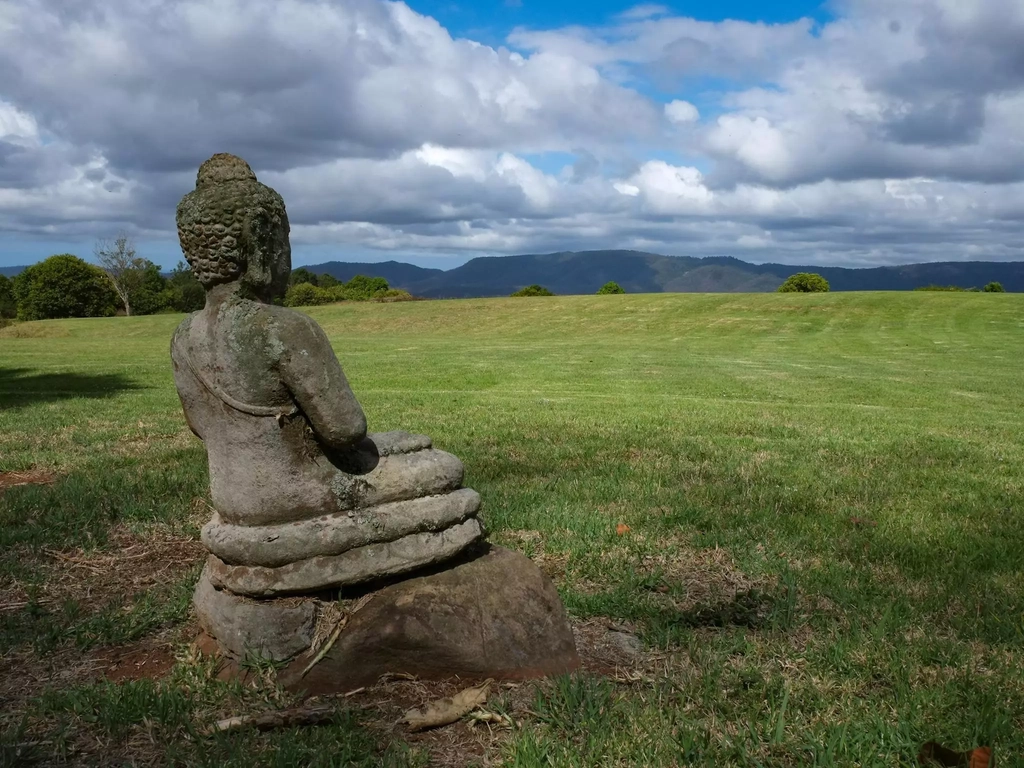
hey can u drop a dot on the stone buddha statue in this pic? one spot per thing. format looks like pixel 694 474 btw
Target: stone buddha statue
pixel 305 499
pixel 308 503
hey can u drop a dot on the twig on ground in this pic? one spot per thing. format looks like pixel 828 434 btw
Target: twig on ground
pixel 284 718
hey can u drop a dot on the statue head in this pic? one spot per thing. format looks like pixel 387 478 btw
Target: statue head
pixel 233 229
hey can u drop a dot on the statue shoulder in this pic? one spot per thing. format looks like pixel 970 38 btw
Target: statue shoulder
pixel 292 323
pixel 181 332
pixel 300 338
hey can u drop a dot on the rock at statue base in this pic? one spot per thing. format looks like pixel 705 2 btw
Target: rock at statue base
pixel 491 614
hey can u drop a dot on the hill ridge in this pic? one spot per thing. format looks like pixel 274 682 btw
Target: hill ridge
pixel 582 272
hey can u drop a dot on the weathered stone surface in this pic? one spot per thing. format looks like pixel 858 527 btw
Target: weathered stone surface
pixel 285 437
pixel 496 615
pixel 276 545
pixel 403 476
pixel 356 566
pixel 307 501
pixel 397 441
pixel 273 629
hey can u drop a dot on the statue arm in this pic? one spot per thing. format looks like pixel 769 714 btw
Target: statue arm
pixel 312 373
pixel 178 368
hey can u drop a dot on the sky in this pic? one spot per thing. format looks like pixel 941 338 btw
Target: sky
pixel 849 133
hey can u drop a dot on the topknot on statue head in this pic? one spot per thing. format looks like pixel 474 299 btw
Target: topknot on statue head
pixel 233 228
pixel 224 167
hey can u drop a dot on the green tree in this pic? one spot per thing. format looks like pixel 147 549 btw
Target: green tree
pixel 994 287
pixel 134 278
pixel 8 305
pixel 804 282
pixel 64 286
pixel 610 287
pixel 302 276
pixel 151 295
pixel 533 290
pixel 306 295
pixel 328 281
pixel 185 292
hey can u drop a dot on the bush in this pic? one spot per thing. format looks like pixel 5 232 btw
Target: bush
pixel 804 282
pixel 533 290
pixel 362 288
pixel 994 288
pixel 307 295
pixel 8 305
pixel 609 288
pixel 393 294
pixel 64 286
pixel 359 288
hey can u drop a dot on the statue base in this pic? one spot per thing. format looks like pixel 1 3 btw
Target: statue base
pixel 489 614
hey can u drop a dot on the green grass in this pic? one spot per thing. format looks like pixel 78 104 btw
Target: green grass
pixel 736 432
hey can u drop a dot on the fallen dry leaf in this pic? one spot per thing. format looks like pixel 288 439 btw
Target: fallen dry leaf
pixel 934 754
pixel 448 710
pixel 621 529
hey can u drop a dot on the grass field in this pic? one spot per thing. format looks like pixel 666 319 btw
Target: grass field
pixel 824 558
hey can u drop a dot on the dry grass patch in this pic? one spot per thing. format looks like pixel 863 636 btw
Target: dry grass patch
pixel 132 563
pixel 37 330
pixel 144 445
pixel 26 477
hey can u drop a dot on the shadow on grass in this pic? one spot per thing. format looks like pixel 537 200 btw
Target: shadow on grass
pixel 21 387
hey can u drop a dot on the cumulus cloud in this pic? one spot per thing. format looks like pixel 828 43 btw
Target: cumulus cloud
pixel 153 86
pixel 907 88
pixel 888 134
pixel 679 111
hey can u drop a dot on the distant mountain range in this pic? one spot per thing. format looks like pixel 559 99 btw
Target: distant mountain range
pixel 586 271
pixel 638 272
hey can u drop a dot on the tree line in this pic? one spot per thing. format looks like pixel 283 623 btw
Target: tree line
pixel 66 286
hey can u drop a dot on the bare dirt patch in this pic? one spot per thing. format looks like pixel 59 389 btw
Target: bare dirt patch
pixel 26 477
pixel 89 582
pixel 25 674
pixel 138 662
pixel 132 563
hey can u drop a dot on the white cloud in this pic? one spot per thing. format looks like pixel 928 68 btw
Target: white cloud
pixel 644 11
pixel 679 111
pixel 888 134
pixel 16 125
